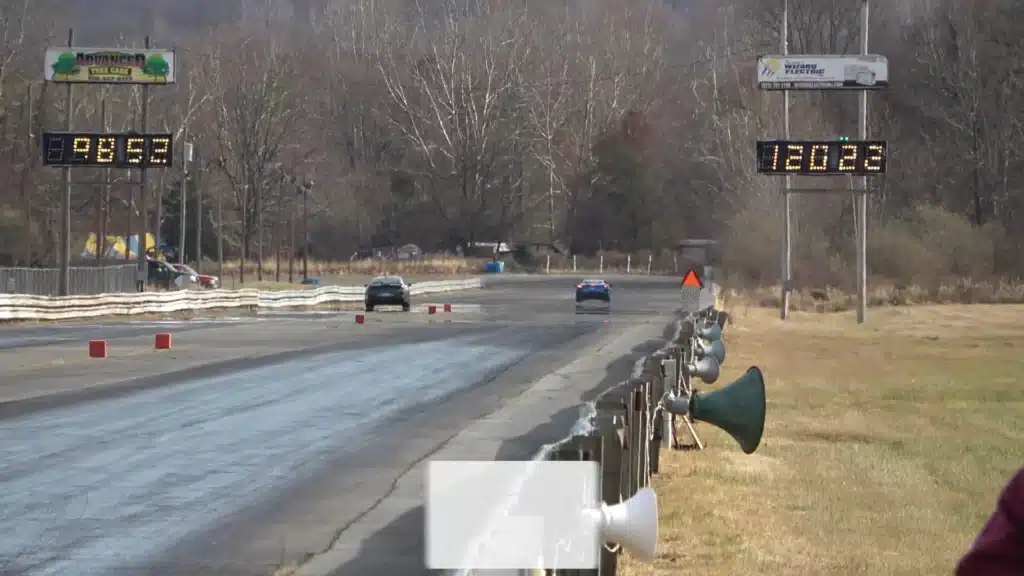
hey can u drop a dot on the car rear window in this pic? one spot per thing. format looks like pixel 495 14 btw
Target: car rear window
pixel 386 282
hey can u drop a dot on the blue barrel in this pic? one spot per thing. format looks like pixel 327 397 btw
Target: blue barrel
pixel 311 281
pixel 494 267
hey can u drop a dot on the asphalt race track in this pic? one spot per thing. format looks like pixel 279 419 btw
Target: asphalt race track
pixel 271 439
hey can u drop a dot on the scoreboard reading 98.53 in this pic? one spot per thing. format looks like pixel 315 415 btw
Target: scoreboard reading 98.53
pixel 127 150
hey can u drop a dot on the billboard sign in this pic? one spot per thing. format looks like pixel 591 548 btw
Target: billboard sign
pixel 823 72
pixel 109 65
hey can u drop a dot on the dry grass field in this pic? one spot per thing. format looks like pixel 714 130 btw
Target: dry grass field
pixel 347 272
pixel 885 448
pixel 342 273
pixel 361 268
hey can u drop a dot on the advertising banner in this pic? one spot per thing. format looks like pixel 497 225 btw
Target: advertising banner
pixel 109 65
pixel 823 72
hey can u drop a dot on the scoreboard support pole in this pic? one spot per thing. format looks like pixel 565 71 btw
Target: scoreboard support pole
pixel 65 208
pixel 860 192
pixel 787 184
pixel 862 198
pixel 143 271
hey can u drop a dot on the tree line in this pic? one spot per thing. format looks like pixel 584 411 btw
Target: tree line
pixel 619 125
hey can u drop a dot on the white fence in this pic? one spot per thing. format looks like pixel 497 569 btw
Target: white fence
pixel 31 307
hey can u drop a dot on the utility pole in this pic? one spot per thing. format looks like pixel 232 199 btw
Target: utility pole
pixel 306 188
pixel 65 251
pixel 282 193
pixel 186 175
pixel 104 222
pixel 787 184
pixel 291 244
pixel 244 259
pixel 144 193
pixel 220 236
pixel 199 210
pixel 862 198
pixel 259 232
pixel 101 233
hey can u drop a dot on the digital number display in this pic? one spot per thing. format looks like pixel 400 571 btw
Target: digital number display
pixel 108 150
pixel 821 157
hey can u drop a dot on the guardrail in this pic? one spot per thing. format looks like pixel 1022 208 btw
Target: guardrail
pixel 33 307
pixel 630 424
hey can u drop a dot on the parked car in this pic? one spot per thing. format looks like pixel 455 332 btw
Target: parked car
pixel 388 291
pixel 205 280
pixel 162 274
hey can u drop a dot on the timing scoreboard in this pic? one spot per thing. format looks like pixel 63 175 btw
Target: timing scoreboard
pixel 822 157
pixel 104 150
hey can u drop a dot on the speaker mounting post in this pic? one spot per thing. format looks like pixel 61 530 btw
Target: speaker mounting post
pixel 698 444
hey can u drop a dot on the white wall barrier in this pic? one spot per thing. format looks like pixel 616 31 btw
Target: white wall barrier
pixel 31 307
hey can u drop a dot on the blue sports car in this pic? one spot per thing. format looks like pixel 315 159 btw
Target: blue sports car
pixel 593 290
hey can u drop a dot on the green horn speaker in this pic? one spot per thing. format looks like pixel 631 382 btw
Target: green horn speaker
pixel 738 408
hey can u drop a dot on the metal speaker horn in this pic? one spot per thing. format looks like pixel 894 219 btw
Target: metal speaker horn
pixel 706 368
pixel 713 348
pixel 633 523
pixel 709 331
pixel 738 408
pixel 723 319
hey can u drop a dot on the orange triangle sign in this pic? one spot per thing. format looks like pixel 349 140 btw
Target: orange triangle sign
pixel 691 279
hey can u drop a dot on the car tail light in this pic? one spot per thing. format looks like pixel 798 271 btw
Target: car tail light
pixel 579 286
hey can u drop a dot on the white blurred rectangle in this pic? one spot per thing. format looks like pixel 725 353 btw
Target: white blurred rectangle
pixel 511 515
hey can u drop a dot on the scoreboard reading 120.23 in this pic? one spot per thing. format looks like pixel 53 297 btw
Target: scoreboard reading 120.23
pixel 128 150
pixel 821 157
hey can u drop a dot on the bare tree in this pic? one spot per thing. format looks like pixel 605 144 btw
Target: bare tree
pixel 449 90
pixel 257 99
pixel 546 87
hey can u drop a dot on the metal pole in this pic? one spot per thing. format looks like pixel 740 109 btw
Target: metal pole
pixel 220 236
pixel 144 193
pixel 862 198
pixel 244 257
pixel 199 211
pixel 291 245
pixel 131 202
pixel 282 193
pixel 30 130
pixel 65 251
pixel 100 235
pixel 305 232
pixel 259 232
pixel 185 177
pixel 787 196
pixel 105 217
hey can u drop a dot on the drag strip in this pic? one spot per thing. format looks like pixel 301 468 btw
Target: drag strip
pixel 199 356
pixel 273 440
pixel 97 488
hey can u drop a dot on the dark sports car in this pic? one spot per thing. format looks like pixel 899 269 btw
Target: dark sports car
pixel 593 290
pixel 388 291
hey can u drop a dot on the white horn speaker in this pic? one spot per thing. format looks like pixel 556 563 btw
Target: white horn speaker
pixel 633 524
